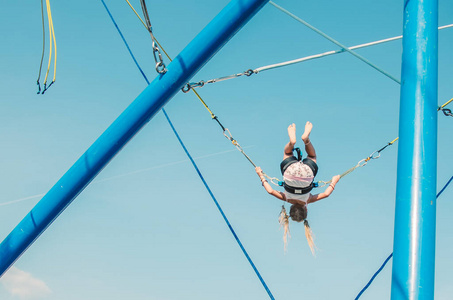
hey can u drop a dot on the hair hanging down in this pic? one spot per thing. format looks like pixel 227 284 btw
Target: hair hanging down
pixel 309 236
pixel 283 219
pixel 298 213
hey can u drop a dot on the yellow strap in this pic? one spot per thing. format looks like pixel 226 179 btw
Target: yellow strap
pixel 50 40
pixel 55 47
pixel 169 58
pixel 52 43
pixel 272 179
pixel 445 104
pixel 393 141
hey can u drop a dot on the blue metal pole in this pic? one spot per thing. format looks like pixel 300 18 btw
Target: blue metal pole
pixel 415 215
pixel 235 15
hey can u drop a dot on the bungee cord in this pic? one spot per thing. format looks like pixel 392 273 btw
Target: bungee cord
pixel 161 68
pixel 193 162
pixel 43 47
pixel 226 131
pixel 250 72
pixel 52 47
pixel 376 154
pixel 160 65
pixel 446 111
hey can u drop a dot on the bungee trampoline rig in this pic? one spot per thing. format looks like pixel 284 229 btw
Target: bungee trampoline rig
pixel 416 181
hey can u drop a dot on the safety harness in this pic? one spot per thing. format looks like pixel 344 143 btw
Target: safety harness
pixel 291 160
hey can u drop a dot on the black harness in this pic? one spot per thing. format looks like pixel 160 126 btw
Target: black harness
pixel 291 160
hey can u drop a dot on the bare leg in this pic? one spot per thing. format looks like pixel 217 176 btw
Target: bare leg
pixel 309 149
pixel 288 152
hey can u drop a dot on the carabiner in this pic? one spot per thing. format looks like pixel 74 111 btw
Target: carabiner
pixel 160 68
pixel 198 84
pixel 363 162
pixel 249 72
pixel 447 112
pixel 186 88
pixel 229 136
pixel 322 183
pixel 373 156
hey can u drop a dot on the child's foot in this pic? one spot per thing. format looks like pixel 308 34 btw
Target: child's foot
pixel 292 133
pixel 306 135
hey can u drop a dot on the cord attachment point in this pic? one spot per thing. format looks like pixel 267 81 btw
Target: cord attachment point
pixel 160 66
pixel 186 88
pixel 447 112
pixel 249 72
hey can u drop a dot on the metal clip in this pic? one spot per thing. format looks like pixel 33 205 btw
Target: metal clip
pixel 447 112
pixel 186 88
pixel 376 154
pixel 321 184
pixel 249 72
pixel 160 66
pixel 228 136
pixel 197 84
pixel 363 162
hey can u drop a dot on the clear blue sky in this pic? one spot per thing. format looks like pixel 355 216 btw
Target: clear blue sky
pixel 146 228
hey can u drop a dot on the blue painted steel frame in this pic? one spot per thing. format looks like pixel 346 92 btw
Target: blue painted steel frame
pixel 236 14
pixel 415 216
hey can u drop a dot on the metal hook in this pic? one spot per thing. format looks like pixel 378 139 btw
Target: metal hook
pixel 373 156
pixel 186 88
pixel 160 68
pixel 447 112
pixel 249 72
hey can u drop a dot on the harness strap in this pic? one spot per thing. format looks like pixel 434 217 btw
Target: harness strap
pixel 299 156
pixel 286 163
pixel 298 190
pixel 291 160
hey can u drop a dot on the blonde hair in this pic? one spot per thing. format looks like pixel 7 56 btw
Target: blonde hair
pixel 298 213
pixel 283 219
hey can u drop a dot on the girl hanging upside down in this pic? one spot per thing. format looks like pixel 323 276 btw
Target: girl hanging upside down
pixel 298 176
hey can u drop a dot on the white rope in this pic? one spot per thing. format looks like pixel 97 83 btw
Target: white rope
pixel 302 59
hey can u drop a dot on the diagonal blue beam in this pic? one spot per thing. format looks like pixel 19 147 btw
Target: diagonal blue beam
pixel 198 52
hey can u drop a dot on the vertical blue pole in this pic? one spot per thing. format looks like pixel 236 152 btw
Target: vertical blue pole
pixel 415 215
pixel 235 15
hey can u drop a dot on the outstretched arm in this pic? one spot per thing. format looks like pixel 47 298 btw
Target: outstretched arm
pixel 327 192
pixel 268 187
